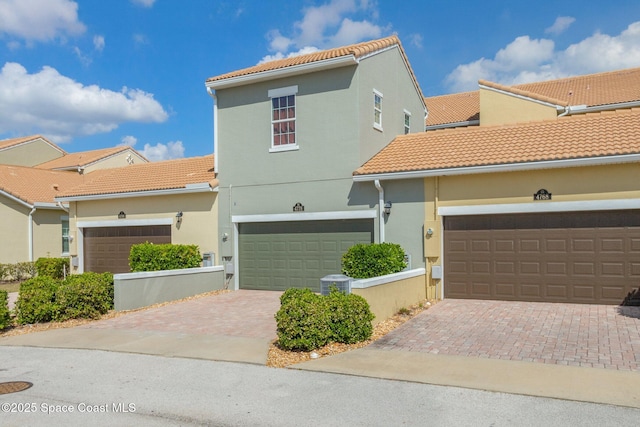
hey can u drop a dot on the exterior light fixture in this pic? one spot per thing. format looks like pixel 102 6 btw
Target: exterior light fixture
pixel 122 215
pixel 387 208
pixel 179 216
pixel 429 232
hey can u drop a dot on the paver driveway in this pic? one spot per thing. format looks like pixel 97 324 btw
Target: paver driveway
pixel 565 334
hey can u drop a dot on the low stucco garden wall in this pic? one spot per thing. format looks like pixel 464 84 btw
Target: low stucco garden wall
pixel 388 294
pixel 135 290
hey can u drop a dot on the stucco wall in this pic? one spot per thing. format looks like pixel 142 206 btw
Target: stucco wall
pixel 497 109
pixel 29 154
pixel 47 233
pixel 116 161
pixel 199 223
pixel 14 229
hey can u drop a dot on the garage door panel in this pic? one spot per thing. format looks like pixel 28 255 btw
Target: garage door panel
pixel 311 250
pixel 583 257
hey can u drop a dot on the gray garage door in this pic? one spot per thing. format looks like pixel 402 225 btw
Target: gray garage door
pixel 581 257
pixel 106 249
pixel 278 256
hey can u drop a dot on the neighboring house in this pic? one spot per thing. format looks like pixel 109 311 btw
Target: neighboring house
pixel 172 201
pixel 288 135
pixel 537 201
pixel 33 170
pixel 33 224
pixel 28 151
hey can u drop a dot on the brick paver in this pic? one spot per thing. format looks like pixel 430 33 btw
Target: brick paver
pixel 595 336
pixel 242 313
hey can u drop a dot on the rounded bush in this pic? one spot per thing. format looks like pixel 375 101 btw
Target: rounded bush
pixel 84 296
pixel 363 261
pixel 37 300
pixel 302 321
pixel 5 315
pixel 350 317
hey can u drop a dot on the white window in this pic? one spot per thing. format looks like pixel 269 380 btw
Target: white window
pixel 407 122
pixel 283 118
pixel 65 235
pixel 377 110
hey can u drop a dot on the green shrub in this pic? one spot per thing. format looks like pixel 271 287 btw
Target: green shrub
pixel 5 316
pixel 52 267
pixel 307 321
pixel 302 321
pixel 84 296
pixel 350 317
pixel 152 257
pixel 36 301
pixel 16 272
pixel 363 261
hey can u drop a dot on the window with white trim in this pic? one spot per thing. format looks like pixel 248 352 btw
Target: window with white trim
pixel 283 118
pixel 65 234
pixel 407 122
pixel 377 110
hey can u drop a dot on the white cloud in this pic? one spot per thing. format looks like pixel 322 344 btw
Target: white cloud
pixel 128 141
pixel 168 151
pixel 144 3
pixel 98 43
pixel 525 60
pixel 328 25
pixel 39 20
pixel 140 39
pixel 57 106
pixel 561 24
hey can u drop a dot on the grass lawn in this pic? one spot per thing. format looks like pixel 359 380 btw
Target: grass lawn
pixel 10 286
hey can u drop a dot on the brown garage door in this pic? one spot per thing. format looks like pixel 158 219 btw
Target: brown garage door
pixel 580 257
pixel 106 249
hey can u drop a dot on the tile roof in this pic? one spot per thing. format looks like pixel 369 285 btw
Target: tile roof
pixel 36 185
pixel 166 175
pixel 6 143
pixel 592 90
pixel 83 158
pixel 357 50
pixel 581 136
pixel 454 108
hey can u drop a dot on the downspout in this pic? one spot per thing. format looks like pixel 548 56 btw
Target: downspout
pixel 380 209
pixel 61 206
pixel 566 111
pixel 30 233
pixel 215 129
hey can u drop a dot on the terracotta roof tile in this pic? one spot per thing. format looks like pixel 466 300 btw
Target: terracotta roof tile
pixel 572 137
pixel 454 108
pixel 357 50
pixel 83 158
pixel 36 185
pixel 166 175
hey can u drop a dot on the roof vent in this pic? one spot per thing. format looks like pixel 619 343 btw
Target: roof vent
pixel 55 187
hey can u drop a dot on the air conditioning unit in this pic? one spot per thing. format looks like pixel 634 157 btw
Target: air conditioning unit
pixel 340 281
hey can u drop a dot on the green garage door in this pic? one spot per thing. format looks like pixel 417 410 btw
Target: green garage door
pixel 283 255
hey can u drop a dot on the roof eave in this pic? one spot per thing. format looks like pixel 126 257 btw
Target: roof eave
pixel 294 70
pixel 188 189
pixel 507 167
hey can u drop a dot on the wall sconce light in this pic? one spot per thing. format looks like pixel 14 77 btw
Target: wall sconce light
pixel 429 232
pixel 225 237
pixel 179 216
pixel 387 208
pixel 70 238
pixel 122 215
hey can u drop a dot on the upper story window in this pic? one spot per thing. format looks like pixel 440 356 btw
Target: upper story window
pixel 283 118
pixel 377 110
pixel 65 234
pixel 407 122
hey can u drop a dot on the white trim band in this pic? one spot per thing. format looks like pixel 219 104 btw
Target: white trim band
pixel 305 216
pixel 125 222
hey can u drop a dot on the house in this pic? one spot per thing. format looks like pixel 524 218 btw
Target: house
pixel 173 201
pixel 288 135
pixel 33 171
pixel 531 195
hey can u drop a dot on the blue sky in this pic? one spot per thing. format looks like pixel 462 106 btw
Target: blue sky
pixel 93 74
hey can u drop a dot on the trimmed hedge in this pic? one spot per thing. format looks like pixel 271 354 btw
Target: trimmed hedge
pixel 308 321
pixel 5 315
pixel 52 267
pixel 151 257
pixel 18 271
pixel 363 261
pixel 45 299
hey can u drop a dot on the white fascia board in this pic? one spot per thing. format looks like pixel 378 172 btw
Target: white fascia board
pixel 453 125
pixel 47 206
pixel 16 199
pixel 294 70
pixel 190 188
pixel 541 207
pixel 125 222
pixel 306 216
pixel 527 98
pixel 509 167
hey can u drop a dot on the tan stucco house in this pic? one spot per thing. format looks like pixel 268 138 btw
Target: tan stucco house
pixel 33 171
pixel 172 201
pixel 532 192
